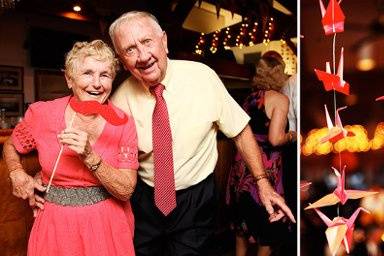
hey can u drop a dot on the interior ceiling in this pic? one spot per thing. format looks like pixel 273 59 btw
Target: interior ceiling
pixel 364 33
pixel 171 14
pixel 175 10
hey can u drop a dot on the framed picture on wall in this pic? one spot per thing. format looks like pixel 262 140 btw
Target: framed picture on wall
pixel 13 103
pixel 50 85
pixel 11 78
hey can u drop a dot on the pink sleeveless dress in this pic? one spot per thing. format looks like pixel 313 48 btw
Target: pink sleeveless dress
pixel 104 228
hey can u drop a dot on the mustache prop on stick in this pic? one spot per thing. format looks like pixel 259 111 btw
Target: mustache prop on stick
pixel 89 108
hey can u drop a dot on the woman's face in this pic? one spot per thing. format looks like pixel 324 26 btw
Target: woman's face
pixel 92 80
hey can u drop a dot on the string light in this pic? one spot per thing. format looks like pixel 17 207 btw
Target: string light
pixel 358 143
pixel 215 41
pixel 252 34
pixel 268 30
pixel 249 33
pixel 289 57
pixel 227 38
pixel 200 45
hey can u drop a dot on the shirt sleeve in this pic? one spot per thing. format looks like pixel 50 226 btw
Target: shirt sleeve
pixel 232 119
pixel 290 90
pixel 127 155
pixel 23 136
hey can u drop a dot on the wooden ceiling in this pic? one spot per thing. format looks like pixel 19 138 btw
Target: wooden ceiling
pixel 171 15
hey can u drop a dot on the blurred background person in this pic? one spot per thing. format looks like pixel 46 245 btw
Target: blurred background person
pixel 268 109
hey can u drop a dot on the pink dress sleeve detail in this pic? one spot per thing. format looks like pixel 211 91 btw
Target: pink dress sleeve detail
pixel 127 156
pixel 22 136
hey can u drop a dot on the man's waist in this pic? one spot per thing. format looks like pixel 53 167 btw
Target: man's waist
pixel 180 182
pixel 141 182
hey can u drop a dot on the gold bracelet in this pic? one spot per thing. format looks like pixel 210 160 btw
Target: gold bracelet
pixel 94 167
pixel 16 166
pixel 260 177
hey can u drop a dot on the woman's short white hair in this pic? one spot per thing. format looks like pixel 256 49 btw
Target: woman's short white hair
pixel 96 49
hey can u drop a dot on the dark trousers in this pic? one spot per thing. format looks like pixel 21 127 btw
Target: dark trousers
pixel 185 231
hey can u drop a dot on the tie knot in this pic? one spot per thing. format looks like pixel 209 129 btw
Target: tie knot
pixel 157 90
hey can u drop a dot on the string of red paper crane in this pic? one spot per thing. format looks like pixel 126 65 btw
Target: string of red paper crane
pixel 339 229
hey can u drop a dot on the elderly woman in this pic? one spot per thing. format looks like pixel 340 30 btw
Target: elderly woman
pixel 268 111
pixel 92 145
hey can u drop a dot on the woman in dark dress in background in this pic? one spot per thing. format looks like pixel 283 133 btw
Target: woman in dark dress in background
pixel 268 110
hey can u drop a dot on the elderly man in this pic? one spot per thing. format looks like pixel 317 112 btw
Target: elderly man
pixel 178 107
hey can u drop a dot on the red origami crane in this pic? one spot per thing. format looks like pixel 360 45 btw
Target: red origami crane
pixel 333 17
pixel 340 230
pixel 340 194
pixel 334 81
pixel 337 132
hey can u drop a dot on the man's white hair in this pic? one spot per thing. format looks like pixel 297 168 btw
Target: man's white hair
pixel 129 16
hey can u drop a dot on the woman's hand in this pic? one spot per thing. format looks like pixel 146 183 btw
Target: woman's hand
pixel 292 136
pixel 76 140
pixel 24 185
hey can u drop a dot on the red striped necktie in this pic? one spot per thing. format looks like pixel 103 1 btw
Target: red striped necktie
pixel 165 193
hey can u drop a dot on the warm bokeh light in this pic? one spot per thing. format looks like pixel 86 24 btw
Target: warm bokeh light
pixel 358 143
pixel 73 16
pixel 365 64
pixel 77 8
pixel 374 204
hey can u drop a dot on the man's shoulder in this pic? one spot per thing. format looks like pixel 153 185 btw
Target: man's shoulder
pixel 188 65
pixel 127 86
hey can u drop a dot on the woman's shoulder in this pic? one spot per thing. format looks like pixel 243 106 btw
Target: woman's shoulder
pixel 277 99
pixel 276 95
pixel 256 94
pixel 50 105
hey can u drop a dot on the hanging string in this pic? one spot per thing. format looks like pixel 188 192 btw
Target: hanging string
pixel 335 72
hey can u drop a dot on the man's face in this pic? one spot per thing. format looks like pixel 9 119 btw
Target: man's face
pixel 143 50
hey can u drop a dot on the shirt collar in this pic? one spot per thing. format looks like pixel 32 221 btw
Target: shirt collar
pixel 168 75
pixel 165 81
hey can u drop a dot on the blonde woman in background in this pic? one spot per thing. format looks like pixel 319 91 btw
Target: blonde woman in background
pixel 268 109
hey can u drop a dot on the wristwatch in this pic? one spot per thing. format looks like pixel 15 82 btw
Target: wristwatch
pixel 94 167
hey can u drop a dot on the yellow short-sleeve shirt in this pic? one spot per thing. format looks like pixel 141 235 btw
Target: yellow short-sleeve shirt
pixel 198 106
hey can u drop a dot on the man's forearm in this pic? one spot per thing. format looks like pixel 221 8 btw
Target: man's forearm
pixel 250 152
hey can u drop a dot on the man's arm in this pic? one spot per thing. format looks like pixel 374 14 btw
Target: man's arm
pixel 251 154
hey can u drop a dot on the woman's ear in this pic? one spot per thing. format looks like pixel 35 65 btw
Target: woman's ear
pixel 69 81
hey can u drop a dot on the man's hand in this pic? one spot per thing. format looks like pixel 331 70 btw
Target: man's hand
pixel 272 200
pixel 23 186
pixel 39 198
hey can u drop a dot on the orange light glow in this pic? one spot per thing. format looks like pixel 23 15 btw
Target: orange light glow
pixel 73 16
pixel 358 143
